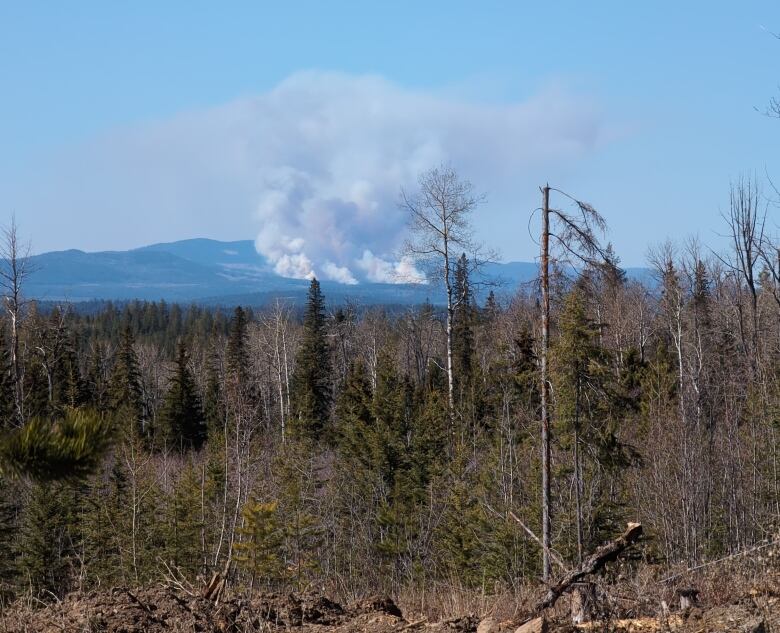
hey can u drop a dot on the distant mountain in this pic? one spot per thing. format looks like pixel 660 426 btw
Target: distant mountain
pixel 213 272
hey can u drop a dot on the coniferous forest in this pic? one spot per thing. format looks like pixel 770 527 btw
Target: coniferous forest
pixel 325 446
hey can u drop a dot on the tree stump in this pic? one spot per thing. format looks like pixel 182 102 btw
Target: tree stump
pixel 688 598
pixel 583 602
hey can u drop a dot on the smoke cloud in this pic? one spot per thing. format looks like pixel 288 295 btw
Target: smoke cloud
pixel 314 168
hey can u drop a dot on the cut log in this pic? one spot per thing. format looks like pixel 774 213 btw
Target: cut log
pixel 603 555
pixel 537 625
pixel 489 625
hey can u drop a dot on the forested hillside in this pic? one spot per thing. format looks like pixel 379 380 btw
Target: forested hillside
pixel 319 449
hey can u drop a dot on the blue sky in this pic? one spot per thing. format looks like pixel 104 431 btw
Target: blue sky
pixel 127 123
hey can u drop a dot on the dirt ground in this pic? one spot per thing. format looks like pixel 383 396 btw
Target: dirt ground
pixel 158 610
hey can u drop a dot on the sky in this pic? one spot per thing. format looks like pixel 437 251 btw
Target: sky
pixel 298 124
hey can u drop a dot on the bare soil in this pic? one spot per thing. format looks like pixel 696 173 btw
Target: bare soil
pixel 164 610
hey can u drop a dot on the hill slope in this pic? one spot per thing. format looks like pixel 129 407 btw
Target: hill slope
pixel 215 272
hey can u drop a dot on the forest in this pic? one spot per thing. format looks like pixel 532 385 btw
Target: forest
pixel 360 450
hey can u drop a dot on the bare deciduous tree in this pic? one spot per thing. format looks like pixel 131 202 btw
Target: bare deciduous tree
pixel 439 219
pixel 746 224
pixel 14 269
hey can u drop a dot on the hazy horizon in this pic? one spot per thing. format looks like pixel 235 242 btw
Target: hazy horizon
pixel 130 126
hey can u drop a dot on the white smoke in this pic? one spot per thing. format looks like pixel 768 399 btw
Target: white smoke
pixel 339 149
pixel 314 166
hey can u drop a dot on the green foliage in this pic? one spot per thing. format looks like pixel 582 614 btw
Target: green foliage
pixel 310 388
pixel 7 404
pixel 124 390
pixel 182 420
pixel 260 549
pixel 463 326
pixel 67 449
pixel 237 357
pixel 45 546
pixel 10 506
pixel 213 399
pixel 303 535
pixel 183 523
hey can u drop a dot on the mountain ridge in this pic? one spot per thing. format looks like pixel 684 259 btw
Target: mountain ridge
pixel 209 271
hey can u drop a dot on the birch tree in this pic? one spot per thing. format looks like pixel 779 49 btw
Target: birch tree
pixel 440 223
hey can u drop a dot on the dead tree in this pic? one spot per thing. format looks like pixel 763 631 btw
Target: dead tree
pixel 574 235
pixel 746 224
pixel 15 267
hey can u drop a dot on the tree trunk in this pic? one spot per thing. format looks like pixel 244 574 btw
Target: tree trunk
pixel 583 603
pixel 604 554
pixel 545 283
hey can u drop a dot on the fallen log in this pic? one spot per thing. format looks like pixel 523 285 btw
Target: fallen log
pixel 603 555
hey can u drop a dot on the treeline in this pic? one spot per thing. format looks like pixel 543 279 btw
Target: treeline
pixel 322 450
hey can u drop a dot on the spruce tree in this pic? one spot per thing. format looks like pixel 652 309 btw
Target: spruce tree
pixel 354 419
pixel 237 357
pixel 463 325
pixel 10 506
pixel 311 387
pixel 124 390
pixel 181 419
pixel 181 529
pixel 213 400
pixel 587 413
pixel 45 544
pixel 7 406
pixel 96 380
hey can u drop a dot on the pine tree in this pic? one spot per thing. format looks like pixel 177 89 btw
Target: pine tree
pixel 260 549
pixel 310 390
pixel 181 419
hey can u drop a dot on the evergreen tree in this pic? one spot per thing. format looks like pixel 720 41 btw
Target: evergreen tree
pixel 354 419
pixel 213 401
pixel 260 549
pixel 45 552
pixel 587 413
pixel 237 357
pixel 183 524
pixel 7 408
pixel 182 418
pixel 463 325
pixel 96 381
pixel 310 390
pixel 303 534
pixel 124 390
pixel 10 506
pixel 69 389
